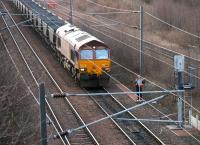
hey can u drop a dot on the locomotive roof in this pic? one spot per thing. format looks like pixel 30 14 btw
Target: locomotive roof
pixel 75 36
pixel 50 19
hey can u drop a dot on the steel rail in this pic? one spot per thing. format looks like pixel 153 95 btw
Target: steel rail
pixel 69 103
pixel 149 43
pixel 59 88
pixel 145 127
pixel 111 119
pixel 28 67
pixel 55 83
pixel 146 41
pixel 35 98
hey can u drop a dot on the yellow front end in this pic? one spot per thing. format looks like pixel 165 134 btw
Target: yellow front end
pixel 93 73
pixel 94 67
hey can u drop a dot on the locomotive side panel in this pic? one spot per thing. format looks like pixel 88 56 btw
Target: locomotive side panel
pixel 64 49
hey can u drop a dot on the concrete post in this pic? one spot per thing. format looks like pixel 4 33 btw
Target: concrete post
pixel 71 11
pixel 141 41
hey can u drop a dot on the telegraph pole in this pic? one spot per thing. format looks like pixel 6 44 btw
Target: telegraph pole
pixel 43 127
pixel 71 11
pixel 141 40
pixel 45 4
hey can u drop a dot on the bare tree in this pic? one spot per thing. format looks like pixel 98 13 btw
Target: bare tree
pixel 19 122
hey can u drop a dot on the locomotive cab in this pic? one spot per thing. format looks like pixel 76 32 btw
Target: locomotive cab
pixel 94 64
pixel 85 56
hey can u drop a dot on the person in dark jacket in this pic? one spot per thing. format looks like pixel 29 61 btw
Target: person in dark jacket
pixel 139 84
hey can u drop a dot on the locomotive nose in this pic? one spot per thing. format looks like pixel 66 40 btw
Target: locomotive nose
pixel 94 67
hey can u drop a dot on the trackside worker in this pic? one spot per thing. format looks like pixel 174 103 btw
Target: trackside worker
pixel 139 84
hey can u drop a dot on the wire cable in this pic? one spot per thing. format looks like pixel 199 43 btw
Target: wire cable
pixel 191 34
pixel 137 74
pixel 161 61
pixel 148 42
pixel 26 84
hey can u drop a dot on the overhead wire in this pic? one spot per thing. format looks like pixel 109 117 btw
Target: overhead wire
pixel 148 42
pixel 56 86
pixel 26 84
pixel 152 16
pixel 156 108
pixel 137 49
pixel 182 30
pixel 193 136
pixel 185 71
pixel 136 73
pixel 32 75
pixel 125 10
pixel 106 13
pixel 112 8
pixel 163 61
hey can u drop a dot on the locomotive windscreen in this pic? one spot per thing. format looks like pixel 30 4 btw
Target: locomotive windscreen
pixel 86 54
pixel 102 53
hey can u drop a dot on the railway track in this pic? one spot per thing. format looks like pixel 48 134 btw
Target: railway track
pixel 35 67
pixel 158 53
pixel 81 134
pixel 123 39
pixel 137 132
pixel 36 72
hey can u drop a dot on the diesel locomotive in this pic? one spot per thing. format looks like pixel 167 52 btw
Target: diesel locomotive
pixel 85 56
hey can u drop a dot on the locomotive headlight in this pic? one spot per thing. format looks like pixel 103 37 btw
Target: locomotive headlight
pixel 83 69
pixel 105 68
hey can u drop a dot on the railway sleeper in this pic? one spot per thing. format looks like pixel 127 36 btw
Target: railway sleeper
pixel 82 143
pixel 133 129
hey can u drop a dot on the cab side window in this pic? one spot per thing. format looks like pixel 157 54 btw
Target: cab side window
pixel 73 55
